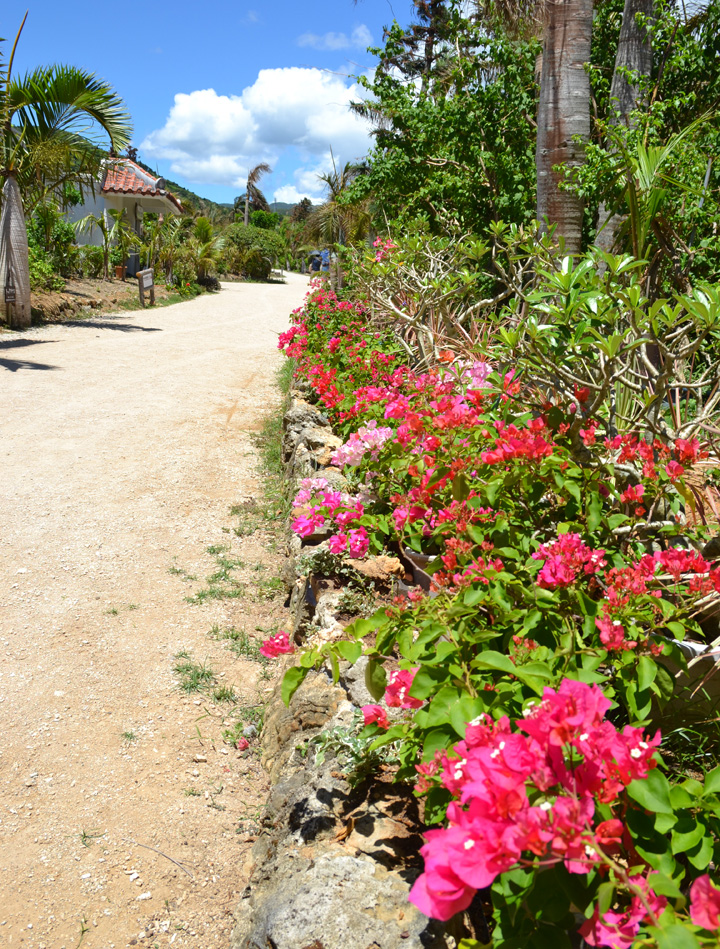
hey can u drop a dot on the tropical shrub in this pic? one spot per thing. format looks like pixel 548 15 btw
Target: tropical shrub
pixel 567 572
pixel 259 248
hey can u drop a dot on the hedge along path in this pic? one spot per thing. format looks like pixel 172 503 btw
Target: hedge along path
pixel 124 442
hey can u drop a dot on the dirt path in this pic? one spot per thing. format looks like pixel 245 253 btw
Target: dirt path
pixel 123 443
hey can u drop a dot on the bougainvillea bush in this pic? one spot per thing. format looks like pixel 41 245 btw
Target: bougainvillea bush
pixel 529 680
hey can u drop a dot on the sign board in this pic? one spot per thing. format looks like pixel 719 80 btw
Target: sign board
pixel 9 294
pixel 146 282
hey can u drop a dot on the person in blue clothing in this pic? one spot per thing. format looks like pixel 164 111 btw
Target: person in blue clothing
pixel 325 258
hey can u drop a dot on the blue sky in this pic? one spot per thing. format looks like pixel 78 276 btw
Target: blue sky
pixel 215 87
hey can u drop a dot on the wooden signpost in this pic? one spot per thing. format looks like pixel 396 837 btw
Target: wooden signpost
pixel 146 282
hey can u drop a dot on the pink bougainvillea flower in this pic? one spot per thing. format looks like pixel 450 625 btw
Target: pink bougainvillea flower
pixel 242 744
pixel 375 714
pixel 277 646
pixel 358 543
pixel 396 694
pixel 705 903
pixel 337 543
pixel 674 470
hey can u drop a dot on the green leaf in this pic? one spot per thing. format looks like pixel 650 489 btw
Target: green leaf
pixel 675 937
pixel 686 834
pixel 349 651
pixel 664 885
pixel 292 680
pixel 652 792
pixel 426 681
pixel 594 512
pixel 702 854
pixel 494 660
pixel 375 679
pixel 712 781
pixel 646 672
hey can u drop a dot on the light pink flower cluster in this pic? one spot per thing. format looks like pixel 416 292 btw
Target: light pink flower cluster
pixel 473 374
pixel 315 505
pixel 277 646
pixel 566 559
pixel 368 438
pixel 528 794
pixel 383 248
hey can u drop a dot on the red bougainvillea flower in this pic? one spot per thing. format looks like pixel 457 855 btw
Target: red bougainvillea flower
pixel 705 903
pixel 277 646
pixel 375 714
pixel 242 744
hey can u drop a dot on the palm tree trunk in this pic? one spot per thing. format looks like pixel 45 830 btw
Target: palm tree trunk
pixel 634 55
pixel 563 114
pixel 14 261
pixel 247 209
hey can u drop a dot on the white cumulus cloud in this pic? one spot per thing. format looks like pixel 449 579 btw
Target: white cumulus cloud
pixel 213 139
pixel 360 38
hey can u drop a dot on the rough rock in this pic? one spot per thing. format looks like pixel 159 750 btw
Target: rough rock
pixel 334 864
pixel 353 678
pixel 337 902
pixel 312 707
pixel 379 568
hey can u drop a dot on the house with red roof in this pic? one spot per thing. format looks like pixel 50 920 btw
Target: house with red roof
pixel 125 185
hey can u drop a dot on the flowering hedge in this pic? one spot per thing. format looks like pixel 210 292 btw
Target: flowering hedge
pixel 563 581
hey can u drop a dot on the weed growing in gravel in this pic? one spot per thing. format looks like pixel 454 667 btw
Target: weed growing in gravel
pixel 269 588
pixel 182 573
pixel 88 836
pixel 191 792
pixel 221 584
pixel 193 676
pixel 224 693
pixel 129 737
pixel 239 643
pixel 113 611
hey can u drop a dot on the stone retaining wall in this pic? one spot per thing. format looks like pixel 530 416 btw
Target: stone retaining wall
pixel 333 865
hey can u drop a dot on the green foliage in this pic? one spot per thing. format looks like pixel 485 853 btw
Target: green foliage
pixel 43 275
pixel 352 750
pixel 50 233
pixel 256 249
pixel 90 260
pixel 463 149
pixel 265 220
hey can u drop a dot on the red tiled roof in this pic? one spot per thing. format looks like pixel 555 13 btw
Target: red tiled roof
pixel 125 177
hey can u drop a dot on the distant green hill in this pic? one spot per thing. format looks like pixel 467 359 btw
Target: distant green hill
pixel 212 209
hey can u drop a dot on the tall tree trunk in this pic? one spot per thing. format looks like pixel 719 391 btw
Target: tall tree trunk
pixel 14 261
pixel 563 113
pixel 634 55
pixel 247 209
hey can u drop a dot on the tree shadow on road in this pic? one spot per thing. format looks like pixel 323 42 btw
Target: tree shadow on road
pixel 109 325
pixel 14 364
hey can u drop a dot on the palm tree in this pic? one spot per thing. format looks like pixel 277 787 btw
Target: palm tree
pixel 338 222
pixel 252 193
pixel 52 123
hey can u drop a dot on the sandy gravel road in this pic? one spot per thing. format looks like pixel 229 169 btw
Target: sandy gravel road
pixel 124 818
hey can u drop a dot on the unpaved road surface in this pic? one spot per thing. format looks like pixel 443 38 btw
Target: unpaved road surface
pixel 125 819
